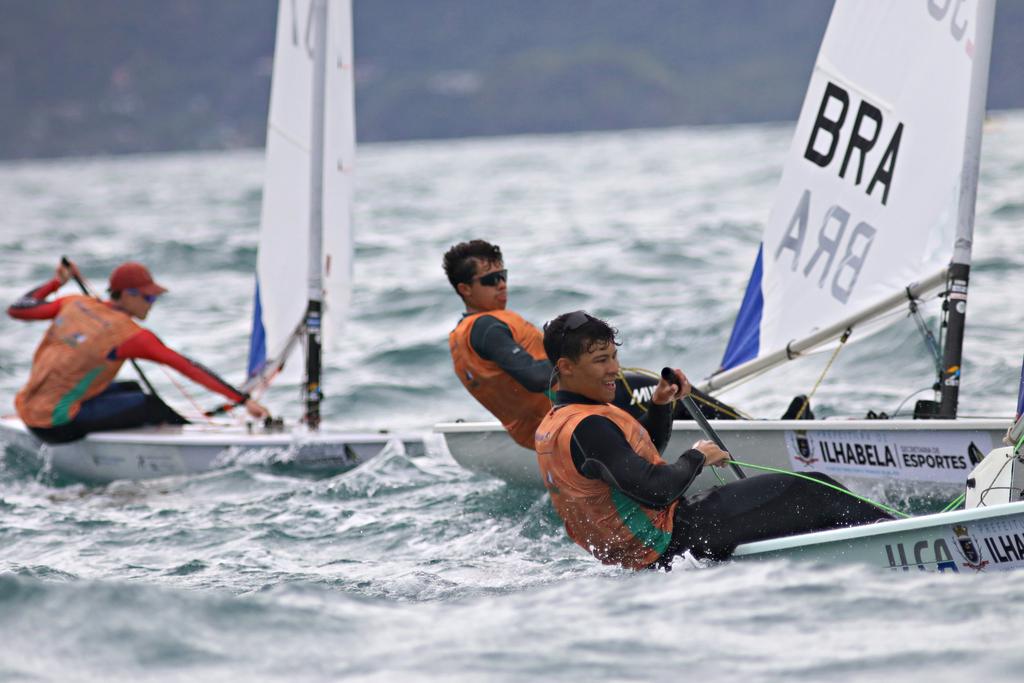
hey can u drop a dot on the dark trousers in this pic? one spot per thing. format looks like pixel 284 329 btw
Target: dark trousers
pixel 122 405
pixel 711 524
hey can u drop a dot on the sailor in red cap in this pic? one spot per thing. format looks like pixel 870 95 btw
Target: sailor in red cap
pixel 71 389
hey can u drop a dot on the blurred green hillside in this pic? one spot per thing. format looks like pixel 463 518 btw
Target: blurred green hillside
pixel 82 77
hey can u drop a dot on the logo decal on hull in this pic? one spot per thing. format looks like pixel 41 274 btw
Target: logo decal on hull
pixel 803 448
pixel 968 549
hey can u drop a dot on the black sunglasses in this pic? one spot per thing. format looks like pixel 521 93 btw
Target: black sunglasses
pixel 492 279
pixel 573 322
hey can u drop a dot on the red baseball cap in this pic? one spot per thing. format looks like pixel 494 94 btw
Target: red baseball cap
pixel 134 275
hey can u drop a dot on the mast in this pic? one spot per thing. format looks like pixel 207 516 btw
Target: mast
pixel 315 275
pixel 960 266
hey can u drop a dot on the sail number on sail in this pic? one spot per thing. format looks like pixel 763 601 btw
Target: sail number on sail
pixel 307 34
pixel 821 150
pixel 938 9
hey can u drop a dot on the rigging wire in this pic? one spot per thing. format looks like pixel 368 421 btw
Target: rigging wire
pixel 929 338
pixel 985 492
pixel 191 399
pixel 904 401
pixel 828 366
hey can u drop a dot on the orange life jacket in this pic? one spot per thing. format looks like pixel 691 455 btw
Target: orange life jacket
pixel 603 520
pixel 519 410
pixel 71 364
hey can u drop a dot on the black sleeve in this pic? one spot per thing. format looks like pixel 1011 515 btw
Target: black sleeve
pixel 492 340
pixel 658 423
pixel 600 451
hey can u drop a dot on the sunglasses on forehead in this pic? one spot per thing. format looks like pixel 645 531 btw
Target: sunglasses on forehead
pixel 492 279
pixel 573 322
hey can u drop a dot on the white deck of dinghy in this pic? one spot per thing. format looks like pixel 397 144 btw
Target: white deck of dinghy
pixel 880 529
pixel 216 433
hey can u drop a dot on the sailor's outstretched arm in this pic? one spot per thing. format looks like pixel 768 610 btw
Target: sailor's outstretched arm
pixel 147 346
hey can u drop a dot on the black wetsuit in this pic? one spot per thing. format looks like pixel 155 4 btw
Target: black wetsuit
pixel 712 523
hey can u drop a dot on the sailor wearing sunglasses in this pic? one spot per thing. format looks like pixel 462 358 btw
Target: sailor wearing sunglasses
pixel 498 356
pixel 71 390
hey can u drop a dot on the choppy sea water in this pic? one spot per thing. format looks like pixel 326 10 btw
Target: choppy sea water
pixel 412 568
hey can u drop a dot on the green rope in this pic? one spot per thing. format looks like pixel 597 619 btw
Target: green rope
pixel 840 489
pixel 953 504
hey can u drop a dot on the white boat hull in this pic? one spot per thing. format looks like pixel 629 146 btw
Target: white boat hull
pixel 981 539
pixel 151 452
pixel 856 452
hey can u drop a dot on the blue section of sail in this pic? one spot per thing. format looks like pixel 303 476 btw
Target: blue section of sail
pixel 745 341
pixel 258 339
pixel 1020 393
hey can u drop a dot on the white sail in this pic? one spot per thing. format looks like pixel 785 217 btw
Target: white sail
pixel 871 191
pixel 283 274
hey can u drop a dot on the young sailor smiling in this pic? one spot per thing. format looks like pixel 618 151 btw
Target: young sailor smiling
pixel 622 502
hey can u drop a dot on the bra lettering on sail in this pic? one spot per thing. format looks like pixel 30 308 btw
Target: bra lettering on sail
pixel 830 238
pixel 831 115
